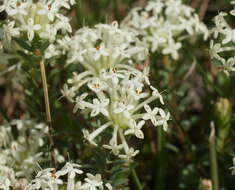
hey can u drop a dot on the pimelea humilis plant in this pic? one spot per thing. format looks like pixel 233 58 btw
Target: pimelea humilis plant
pixel 118 91
pixel 107 72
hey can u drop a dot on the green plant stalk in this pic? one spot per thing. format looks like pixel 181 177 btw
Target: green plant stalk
pixel 161 159
pixel 136 179
pixel 213 159
pixel 78 14
pixel 4 114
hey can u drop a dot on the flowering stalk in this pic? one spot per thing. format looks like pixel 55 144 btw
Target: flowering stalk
pixel 161 159
pixel 213 158
pixel 48 113
pixel 136 180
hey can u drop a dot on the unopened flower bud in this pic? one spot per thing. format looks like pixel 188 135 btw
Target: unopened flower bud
pixel 223 112
pixel 223 116
pixel 205 184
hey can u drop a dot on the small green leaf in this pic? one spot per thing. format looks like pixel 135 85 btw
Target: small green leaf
pixel 23 44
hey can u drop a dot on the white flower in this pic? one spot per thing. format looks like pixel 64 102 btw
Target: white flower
pixel 121 107
pixel 151 114
pixel 93 182
pixel 114 147
pixel 129 154
pixel 100 51
pixel 63 3
pixel 97 85
pixel 233 167
pixel 172 49
pixel 91 136
pixel 107 55
pixel 99 106
pixel 229 65
pixel 157 94
pixel 163 24
pixel 19 8
pixel 69 93
pixel 7 5
pixel 30 27
pixel 48 179
pixel 162 119
pixel 223 42
pixel 51 52
pixel 80 103
pixel 113 75
pixel 49 33
pixel 48 9
pixel 11 31
pixel 63 24
pixel 71 169
pixel 136 129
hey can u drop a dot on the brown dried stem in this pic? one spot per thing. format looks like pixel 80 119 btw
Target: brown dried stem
pixel 48 113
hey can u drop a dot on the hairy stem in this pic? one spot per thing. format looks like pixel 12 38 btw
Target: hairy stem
pixel 48 113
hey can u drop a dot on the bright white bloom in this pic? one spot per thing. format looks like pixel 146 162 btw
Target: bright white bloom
pixel 222 47
pixel 99 106
pixel 80 103
pixel 103 47
pixel 129 154
pixel 69 93
pixel 51 179
pixel 40 17
pixel 93 182
pixel 233 167
pixel 163 24
pixel 19 155
pixel 114 88
pixel 151 114
pixel 51 51
pixel 136 129
pixel 10 31
pixel 163 119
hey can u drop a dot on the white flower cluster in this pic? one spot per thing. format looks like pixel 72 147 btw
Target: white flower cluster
pixel 233 167
pixel 43 17
pixel 102 47
pixel 115 89
pixel 20 142
pixel 163 24
pixel 222 47
pixel 49 179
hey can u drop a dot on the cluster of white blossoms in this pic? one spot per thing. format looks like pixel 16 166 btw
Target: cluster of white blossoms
pixel 42 17
pixel 20 142
pixel 111 87
pixel 51 179
pixel 233 167
pixel 222 47
pixel 164 24
pixel 102 47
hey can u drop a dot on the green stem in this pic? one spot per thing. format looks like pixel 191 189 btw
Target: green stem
pixel 78 14
pixel 136 180
pixel 4 114
pixel 213 159
pixel 161 159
